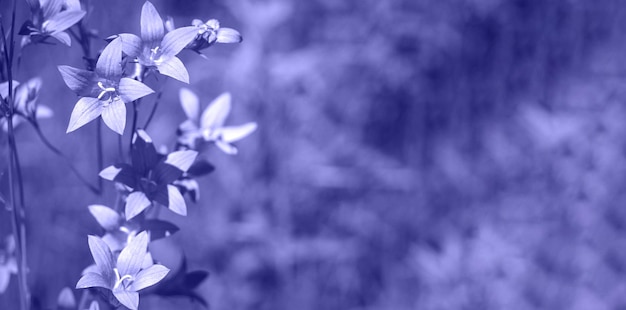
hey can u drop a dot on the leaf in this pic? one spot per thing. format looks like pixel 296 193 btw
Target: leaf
pixel 131 90
pixel 190 103
pixel 175 69
pixel 105 216
pixel 66 298
pixel 135 204
pixel 63 20
pixel 176 201
pixel 131 44
pixel 102 256
pixel 159 229
pixel 80 81
pixel 86 110
pixel 215 114
pixel 200 168
pixel 131 258
pixel 149 277
pixel 109 63
pixel 122 173
pixel 129 299
pixel 236 133
pixel 51 7
pixel 114 116
pixel 174 41
pixel 228 35
pixel 92 279
pixel 63 37
pixel 151 24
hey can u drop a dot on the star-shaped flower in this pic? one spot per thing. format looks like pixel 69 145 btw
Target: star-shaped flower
pixel 209 126
pixel 210 33
pixel 8 263
pixel 25 101
pixel 49 20
pixel 151 176
pixel 126 275
pixel 155 49
pixel 103 92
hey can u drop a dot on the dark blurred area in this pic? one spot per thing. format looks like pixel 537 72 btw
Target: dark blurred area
pixel 451 154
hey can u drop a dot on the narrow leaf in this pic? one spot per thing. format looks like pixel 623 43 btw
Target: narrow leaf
pixel 190 103
pixel 149 277
pixel 174 41
pixel 105 216
pixel 131 90
pixel 62 21
pixel 80 81
pixel 236 133
pixel 131 44
pixel 176 200
pixel 228 35
pixel 151 24
pixel 86 110
pixel 129 299
pixel 91 279
pixel 215 114
pixel 175 69
pixel 135 204
pixel 131 258
pixel 109 63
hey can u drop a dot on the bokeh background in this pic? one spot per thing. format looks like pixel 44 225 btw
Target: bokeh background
pixel 450 154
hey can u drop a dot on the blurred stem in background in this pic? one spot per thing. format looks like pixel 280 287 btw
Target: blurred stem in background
pixel 15 174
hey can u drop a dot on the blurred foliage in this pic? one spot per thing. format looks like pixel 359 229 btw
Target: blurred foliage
pixel 452 154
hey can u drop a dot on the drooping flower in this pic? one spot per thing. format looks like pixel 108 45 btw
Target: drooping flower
pixel 8 263
pixel 151 176
pixel 155 49
pixel 125 276
pixel 50 20
pixel 103 92
pixel 209 126
pixel 25 101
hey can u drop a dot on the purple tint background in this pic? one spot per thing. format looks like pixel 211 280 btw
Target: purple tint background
pixel 452 154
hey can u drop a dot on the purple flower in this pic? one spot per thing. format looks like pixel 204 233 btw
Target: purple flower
pixel 50 20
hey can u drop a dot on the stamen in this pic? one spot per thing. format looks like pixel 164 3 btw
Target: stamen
pixel 105 90
pixel 118 280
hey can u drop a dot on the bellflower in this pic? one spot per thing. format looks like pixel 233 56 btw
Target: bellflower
pixel 209 126
pixel 8 263
pixel 25 101
pixel 103 92
pixel 151 176
pixel 49 19
pixel 125 276
pixel 155 49
pixel 210 33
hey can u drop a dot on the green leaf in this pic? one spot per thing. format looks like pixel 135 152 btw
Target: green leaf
pixel 92 279
pixel 80 81
pixel 149 277
pixel 131 44
pixel 102 256
pixel 105 216
pixel 151 24
pixel 129 299
pixel 131 90
pixel 63 20
pixel 86 110
pixel 190 103
pixel 135 204
pixel 174 41
pixel 236 133
pixel 215 114
pixel 114 116
pixel 66 299
pixel 228 35
pixel 176 202
pixel 109 63
pixel 131 258
pixel 159 229
pixel 175 69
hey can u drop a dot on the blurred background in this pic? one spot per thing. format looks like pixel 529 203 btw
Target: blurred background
pixel 451 154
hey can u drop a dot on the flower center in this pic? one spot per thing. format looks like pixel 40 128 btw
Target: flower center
pixel 107 91
pixel 123 281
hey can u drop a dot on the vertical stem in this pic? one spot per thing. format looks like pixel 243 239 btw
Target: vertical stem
pixel 99 150
pixel 134 124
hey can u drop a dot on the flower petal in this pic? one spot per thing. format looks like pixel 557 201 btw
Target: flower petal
pixel 143 153
pixel 63 20
pixel 86 110
pixel 63 37
pixel 176 202
pixel 114 116
pixel 66 299
pixel 228 35
pixel 131 90
pixel 129 299
pixel 102 256
pixel 174 68
pixel 151 24
pixel 226 147
pixel 109 63
pixel 94 305
pixel 5 277
pixel 175 40
pixel 149 277
pixel 105 216
pixel 131 44
pixel 82 82
pixel 122 173
pixel 236 133
pixel 135 204
pixel 92 279
pixel 131 258
pixel 215 115
pixel 181 159
pixel 190 103
pixel 50 8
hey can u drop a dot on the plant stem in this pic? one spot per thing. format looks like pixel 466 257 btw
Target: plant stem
pixel 154 108
pixel 134 124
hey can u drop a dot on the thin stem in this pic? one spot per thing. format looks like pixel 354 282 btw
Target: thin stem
pixel 134 124
pixel 99 151
pixel 154 108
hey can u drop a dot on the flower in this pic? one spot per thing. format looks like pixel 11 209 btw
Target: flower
pixel 210 126
pixel 210 33
pixel 151 176
pixel 25 101
pixel 50 20
pixel 154 48
pixel 8 263
pixel 103 92
pixel 125 276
